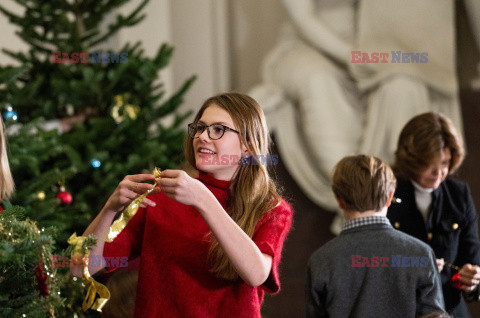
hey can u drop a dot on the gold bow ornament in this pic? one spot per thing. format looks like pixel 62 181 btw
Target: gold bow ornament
pixel 94 287
pixel 80 252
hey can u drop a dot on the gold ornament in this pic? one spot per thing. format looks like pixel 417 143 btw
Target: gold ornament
pixel 93 286
pixel 121 109
pixel 130 211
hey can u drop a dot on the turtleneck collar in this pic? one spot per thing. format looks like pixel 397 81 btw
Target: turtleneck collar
pixel 421 189
pixel 211 181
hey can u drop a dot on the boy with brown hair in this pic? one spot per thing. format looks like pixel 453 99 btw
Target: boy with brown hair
pixel 370 269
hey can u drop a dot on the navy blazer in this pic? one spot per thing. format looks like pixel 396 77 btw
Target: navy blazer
pixel 451 230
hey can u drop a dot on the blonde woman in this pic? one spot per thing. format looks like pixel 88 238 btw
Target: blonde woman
pixel 209 246
pixel 6 181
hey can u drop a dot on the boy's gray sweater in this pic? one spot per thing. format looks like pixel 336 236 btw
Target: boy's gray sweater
pixel 373 271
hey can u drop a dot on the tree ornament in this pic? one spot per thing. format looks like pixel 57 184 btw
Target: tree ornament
pixel 10 114
pixel 82 252
pixel 120 110
pixel 64 197
pixel 95 163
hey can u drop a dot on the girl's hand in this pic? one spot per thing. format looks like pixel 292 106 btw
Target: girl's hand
pixel 469 277
pixel 128 190
pixel 179 186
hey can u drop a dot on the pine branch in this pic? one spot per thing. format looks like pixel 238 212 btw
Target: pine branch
pixel 172 103
pixel 163 56
pixel 13 18
pixel 19 56
pixel 121 21
pixel 10 74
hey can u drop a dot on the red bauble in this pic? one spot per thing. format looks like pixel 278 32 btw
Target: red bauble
pixel 64 197
pixel 456 281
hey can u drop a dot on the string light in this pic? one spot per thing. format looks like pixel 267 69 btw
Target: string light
pixel 41 195
pixel 95 163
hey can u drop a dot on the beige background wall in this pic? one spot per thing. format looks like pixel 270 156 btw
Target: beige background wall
pixel 200 36
pixel 8 38
pixel 221 41
pixel 255 26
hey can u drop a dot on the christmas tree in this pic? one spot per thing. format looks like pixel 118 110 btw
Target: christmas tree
pixel 120 121
pixel 28 285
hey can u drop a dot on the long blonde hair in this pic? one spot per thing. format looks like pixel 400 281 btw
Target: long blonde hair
pixel 253 192
pixel 6 181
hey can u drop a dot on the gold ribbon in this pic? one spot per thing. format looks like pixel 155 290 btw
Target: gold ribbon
pixel 78 252
pixel 93 286
pixel 130 211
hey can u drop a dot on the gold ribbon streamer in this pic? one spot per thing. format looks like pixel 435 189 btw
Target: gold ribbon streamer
pixel 130 211
pixel 78 252
pixel 93 286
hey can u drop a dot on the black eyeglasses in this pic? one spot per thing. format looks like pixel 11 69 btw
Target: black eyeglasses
pixel 214 131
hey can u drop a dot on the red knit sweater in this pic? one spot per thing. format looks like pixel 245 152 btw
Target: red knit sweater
pixel 174 277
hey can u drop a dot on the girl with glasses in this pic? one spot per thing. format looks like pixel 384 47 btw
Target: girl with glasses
pixel 210 245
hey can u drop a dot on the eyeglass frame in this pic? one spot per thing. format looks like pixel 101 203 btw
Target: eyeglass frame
pixel 207 127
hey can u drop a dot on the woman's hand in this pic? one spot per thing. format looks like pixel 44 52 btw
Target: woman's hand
pixel 179 186
pixel 440 264
pixel 128 190
pixel 469 277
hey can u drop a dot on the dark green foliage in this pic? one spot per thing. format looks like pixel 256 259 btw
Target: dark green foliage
pixel 24 247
